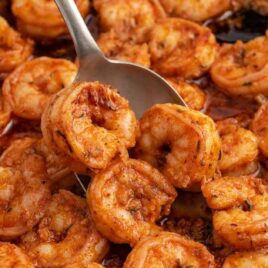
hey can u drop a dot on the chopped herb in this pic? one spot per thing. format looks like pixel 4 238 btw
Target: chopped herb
pixel 248 206
pixel 133 210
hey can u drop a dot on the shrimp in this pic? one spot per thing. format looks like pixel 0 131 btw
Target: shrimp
pixel 13 256
pixel 192 94
pixel 181 48
pixel 139 15
pixel 242 68
pixel 24 188
pixel 169 250
pixel 65 235
pixel 251 259
pixel 117 46
pixel 239 147
pixel 196 10
pixel 127 198
pixel 29 88
pixel 41 19
pixel 182 143
pixel 90 123
pixel 240 211
pixel 260 128
pixel 13 48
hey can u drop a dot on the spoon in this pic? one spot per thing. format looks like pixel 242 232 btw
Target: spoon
pixel 140 86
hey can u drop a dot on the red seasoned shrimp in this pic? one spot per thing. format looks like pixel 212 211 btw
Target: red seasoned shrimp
pixel 65 235
pixel 242 68
pixel 239 147
pixel 13 48
pixel 24 188
pixel 13 256
pixel 259 126
pixel 182 143
pixel 41 19
pixel 127 198
pixel 181 48
pixel 169 250
pixel 192 94
pixel 90 123
pixel 31 85
pixel 196 10
pixel 121 47
pixel 129 14
pixel 240 211
pixel 248 259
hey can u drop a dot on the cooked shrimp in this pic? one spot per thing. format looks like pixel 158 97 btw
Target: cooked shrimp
pixel 242 68
pixel 169 250
pixel 114 46
pixel 65 235
pixel 24 189
pixel 181 143
pixel 91 123
pixel 250 259
pixel 13 48
pixel 240 216
pixel 130 14
pixel 127 198
pixel 192 94
pixel 239 146
pixel 31 85
pixel 41 19
pixel 259 126
pixel 196 10
pixel 13 256
pixel 181 48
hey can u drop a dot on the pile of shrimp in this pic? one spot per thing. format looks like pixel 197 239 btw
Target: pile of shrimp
pixel 179 187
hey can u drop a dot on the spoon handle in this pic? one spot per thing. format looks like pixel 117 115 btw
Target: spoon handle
pixel 84 43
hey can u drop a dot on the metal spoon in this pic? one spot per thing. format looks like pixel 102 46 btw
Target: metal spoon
pixel 139 85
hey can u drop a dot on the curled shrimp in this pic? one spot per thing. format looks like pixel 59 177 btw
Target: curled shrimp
pixel 127 198
pixel 249 259
pixel 91 123
pixel 31 85
pixel 169 250
pixel 24 188
pixel 196 10
pixel 13 48
pixel 41 19
pixel 241 68
pixel 181 48
pixel 192 94
pixel 65 235
pixel 119 47
pixel 240 217
pixel 260 128
pixel 182 143
pixel 131 14
pixel 239 147
pixel 13 256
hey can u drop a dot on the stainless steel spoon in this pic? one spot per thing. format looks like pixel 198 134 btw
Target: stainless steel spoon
pixel 140 86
